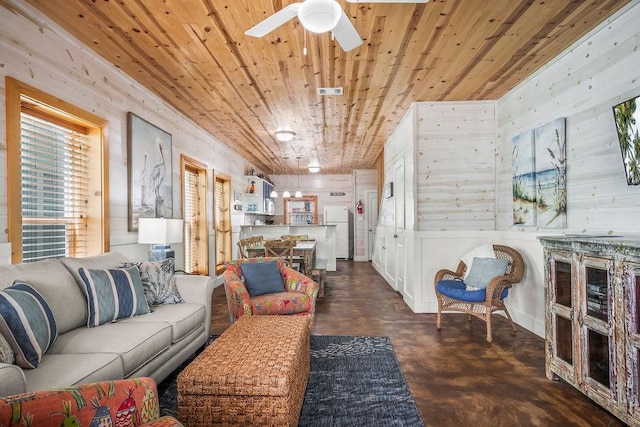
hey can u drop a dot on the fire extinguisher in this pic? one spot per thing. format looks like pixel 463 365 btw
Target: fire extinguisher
pixel 360 207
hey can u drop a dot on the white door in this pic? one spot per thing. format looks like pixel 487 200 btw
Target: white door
pixel 371 215
pixel 398 232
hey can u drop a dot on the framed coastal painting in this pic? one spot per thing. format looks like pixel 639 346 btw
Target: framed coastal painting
pixel 149 171
pixel 551 175
pixel 524 180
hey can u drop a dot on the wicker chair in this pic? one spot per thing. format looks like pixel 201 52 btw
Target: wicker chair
pixel 479 303
pixel 249 242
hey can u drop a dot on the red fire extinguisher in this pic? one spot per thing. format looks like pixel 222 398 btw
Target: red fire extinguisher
pixel 360 207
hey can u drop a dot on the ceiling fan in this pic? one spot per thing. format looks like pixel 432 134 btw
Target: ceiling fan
pixel 319 16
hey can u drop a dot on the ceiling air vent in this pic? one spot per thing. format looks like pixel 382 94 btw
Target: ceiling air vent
pixel 325 91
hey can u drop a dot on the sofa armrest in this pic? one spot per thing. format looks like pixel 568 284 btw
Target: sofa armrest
pixel 197 289
pixel 12 380
pixel 83 404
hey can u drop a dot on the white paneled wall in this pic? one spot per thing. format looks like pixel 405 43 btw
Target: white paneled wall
pixel 582 85
pixel 39 53
pixel 320 185
pixel 455 144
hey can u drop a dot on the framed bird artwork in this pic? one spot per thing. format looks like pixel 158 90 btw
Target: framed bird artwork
pixel 149 168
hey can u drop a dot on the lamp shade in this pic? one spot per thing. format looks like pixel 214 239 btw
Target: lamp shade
pixel 162 231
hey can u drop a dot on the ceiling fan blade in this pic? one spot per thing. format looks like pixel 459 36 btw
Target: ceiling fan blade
pixel 388 1
pixel 274 21
pixel 346 34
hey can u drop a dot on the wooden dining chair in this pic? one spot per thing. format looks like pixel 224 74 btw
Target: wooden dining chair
pixel 303 264
pixel 282 249
pixel 249 242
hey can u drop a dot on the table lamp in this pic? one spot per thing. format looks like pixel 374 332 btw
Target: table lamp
pixel 160 233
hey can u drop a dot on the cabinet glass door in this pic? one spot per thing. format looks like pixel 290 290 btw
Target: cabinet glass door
pixel 596 326
pixel 631 284
pixel 563 302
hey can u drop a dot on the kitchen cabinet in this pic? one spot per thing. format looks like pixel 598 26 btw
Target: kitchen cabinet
pixel 592 318
pixel 301 210
pixel 257 196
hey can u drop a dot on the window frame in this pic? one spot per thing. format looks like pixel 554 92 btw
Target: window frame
pixel 18 92
pixel 202 256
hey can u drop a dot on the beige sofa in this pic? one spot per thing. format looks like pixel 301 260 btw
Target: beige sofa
pixel 153 344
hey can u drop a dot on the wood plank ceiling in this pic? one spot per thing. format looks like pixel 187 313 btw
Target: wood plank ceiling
pixel 194 55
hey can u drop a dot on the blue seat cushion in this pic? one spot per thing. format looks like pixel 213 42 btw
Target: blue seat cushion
pixel 456 289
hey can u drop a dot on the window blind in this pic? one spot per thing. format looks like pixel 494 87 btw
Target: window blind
pixel 223 222
pixel 54 187
pixel 191 237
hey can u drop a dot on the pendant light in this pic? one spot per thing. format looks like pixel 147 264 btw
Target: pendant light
pixel 298 192
pixel 286 193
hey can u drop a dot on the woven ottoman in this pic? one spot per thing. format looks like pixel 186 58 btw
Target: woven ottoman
pixel 254 374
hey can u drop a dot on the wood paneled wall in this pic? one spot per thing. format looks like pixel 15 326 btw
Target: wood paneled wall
pixel 46 57
pixel 455 143
pixel 582 85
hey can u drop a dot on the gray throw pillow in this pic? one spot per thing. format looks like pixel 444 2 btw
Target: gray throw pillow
pixel 485 269
pixel 262 278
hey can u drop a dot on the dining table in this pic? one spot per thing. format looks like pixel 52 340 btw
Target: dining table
pixel 306 249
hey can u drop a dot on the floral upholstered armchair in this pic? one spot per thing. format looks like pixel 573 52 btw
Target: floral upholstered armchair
pixel 265 286
pixel 122 403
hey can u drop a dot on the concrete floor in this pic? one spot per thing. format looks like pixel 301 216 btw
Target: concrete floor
pixel 455 376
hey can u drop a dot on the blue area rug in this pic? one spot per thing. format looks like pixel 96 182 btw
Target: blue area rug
pixel 353 381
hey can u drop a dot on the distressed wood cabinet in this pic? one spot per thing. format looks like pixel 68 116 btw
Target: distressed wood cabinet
pixel 593 318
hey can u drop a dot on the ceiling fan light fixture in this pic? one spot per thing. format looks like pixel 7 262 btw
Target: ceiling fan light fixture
pixel 284 135
pixel 319 16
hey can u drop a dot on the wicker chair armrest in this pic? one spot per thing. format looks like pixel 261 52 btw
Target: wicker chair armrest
pixel 497 285
pixel 445 274
pixel 294 281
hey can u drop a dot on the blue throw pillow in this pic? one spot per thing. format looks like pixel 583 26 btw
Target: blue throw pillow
pixel 262 278
pixel 113 294
pixel 27 323
pixel 485 269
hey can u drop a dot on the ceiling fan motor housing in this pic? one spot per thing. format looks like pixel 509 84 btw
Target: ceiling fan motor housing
pixel 319 16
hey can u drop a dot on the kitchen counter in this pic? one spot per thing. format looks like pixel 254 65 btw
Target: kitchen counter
pixel 325 236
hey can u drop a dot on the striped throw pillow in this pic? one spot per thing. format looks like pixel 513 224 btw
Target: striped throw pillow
pixel 27 323
pixel 113 294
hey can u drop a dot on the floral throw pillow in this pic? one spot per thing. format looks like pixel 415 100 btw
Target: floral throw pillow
pixel 157 281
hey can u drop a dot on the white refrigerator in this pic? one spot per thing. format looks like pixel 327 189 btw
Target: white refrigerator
pixel 339 216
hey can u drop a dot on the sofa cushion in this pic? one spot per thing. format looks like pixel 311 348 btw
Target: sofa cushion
pixel 157 281
pixel 65 370
pixel 97 262
pixel 262 278
pixel 57 287
pixel 135 345
pixel 26 321
pixel 113 294
pixel 456 289
pixel 183 318
pixel 281 303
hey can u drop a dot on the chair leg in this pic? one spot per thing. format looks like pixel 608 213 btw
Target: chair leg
pixel 489 337
pixel 439 319
pixel 510 320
